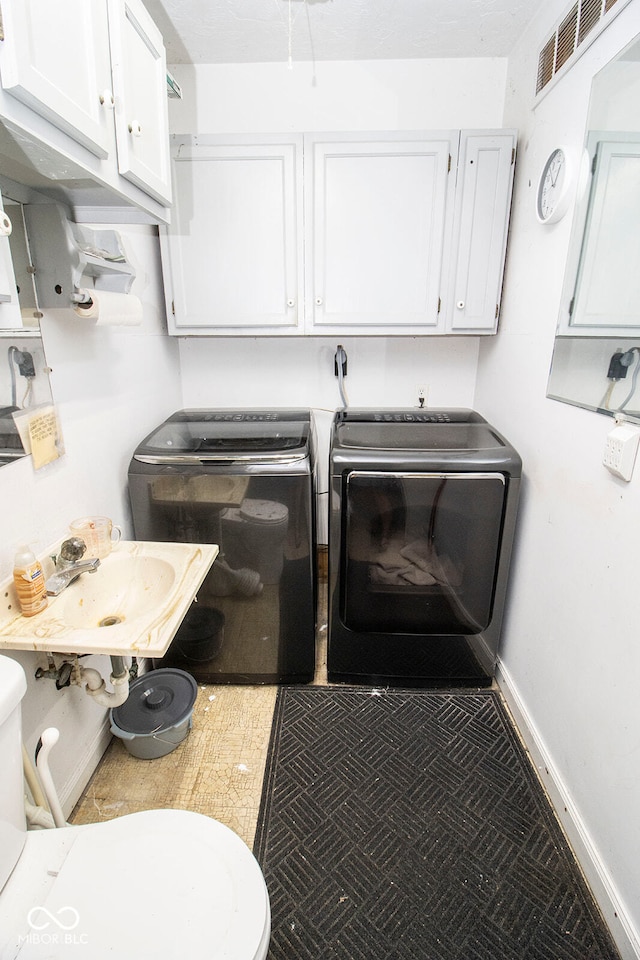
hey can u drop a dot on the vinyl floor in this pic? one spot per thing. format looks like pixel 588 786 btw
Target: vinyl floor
pixel 418 831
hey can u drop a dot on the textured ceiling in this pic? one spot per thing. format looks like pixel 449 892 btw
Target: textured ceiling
pixel 256 31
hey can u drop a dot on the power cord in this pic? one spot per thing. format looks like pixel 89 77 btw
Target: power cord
pixel 24 362
pixel 634 379
pixel 340 369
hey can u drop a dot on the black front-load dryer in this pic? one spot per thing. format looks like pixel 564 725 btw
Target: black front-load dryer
pixel 423 509
pixel 242 479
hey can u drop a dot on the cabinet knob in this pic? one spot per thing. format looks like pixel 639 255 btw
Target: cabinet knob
pixel 135 129
pixel 107 99
pixel 5 225
pixel 460 304
pixel 318 301
pixel 291 303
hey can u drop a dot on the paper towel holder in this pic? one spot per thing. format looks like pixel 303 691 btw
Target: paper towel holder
pixel 70 258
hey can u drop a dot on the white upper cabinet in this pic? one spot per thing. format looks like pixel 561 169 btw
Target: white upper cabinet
pixel 329 234
pixel 57 62
pixel 483 201
pixel 83 88
pixel 232 257
pixel 376 218
pixel 139 73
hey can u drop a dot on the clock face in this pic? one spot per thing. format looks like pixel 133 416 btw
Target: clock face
pixel 553 189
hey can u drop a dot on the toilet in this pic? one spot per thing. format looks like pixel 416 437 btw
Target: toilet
pixel 160 883
pixel 253 535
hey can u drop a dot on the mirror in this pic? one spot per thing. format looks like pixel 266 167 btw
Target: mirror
pixel 22 268
pixel 24 373
pixel 596 357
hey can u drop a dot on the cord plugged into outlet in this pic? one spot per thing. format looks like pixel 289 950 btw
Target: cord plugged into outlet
pixel 25 364
pixel 340 371
pixel 340 361
pixel 422 395
pixel 23 360
pixel 619 365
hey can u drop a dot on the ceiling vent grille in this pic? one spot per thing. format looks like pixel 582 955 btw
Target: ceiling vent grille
pixel 572 31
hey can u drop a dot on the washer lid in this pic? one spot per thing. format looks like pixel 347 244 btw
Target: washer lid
pixel 159 700
pixel 201 435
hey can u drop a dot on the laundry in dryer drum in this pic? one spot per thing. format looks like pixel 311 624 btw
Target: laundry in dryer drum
pixel 416 563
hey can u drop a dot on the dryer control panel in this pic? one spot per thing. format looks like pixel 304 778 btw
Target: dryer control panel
pixel 402 415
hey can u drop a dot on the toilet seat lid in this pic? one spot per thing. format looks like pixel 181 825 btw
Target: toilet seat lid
pixel 264 511
pixel 161 883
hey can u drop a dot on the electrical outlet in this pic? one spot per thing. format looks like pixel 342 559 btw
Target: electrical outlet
pixel 620 450
pixel 422 393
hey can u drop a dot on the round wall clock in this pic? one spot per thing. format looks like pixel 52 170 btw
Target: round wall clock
pixel 554 187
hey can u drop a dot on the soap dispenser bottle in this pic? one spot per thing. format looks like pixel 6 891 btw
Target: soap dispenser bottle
pixel 28 577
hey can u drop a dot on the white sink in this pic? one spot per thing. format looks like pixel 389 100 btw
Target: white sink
pixel 121 590
pixel 133 603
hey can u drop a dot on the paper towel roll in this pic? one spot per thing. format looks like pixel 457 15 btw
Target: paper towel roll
pixel 106 308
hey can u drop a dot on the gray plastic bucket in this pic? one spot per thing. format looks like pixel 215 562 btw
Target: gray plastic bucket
pixel 157 715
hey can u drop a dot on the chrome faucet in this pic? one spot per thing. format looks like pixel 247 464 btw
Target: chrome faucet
pixel 70 565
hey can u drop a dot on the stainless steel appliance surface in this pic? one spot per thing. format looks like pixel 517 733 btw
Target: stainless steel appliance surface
pixel 423 512
pixel 245 480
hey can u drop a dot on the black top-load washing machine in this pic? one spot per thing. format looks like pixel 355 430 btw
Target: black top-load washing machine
pixel 245 480
pixel 423 510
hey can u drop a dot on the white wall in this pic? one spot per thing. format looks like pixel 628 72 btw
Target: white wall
pixel 360 95
pixel 366 95
pixel 111 385
pixel 570 651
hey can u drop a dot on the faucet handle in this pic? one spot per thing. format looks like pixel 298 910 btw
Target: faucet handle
pixel 73 549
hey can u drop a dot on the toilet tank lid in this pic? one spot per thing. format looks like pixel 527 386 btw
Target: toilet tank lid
pixel 13 686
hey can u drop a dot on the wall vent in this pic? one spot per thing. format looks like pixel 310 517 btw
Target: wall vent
pixel 571 32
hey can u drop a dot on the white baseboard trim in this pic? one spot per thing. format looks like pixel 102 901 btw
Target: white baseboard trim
pixel 71 791
pixel 626 937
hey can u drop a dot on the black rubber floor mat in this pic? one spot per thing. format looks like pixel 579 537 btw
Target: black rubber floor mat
pixel 409 825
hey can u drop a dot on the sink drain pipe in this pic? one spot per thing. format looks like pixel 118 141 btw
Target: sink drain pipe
pixel 95 686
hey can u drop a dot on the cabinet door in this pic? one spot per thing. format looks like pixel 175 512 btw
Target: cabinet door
pixel 232 254
pixel 483 201
pixel 139 68
pixel 375 218
pixel 57 63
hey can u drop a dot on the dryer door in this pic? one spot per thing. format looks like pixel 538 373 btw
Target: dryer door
pixel 420 551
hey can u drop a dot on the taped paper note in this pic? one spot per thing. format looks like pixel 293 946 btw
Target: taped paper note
pixel 45 437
